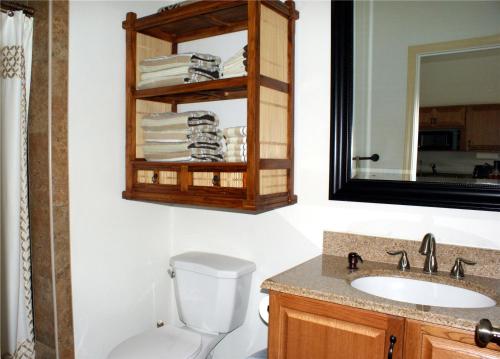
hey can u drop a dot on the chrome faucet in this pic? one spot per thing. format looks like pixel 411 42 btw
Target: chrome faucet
pixel 428 248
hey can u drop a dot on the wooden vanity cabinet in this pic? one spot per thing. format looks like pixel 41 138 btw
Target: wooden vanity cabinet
pixel 304 328
pixel 425 341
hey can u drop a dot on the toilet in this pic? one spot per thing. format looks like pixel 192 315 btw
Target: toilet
pixel 211 292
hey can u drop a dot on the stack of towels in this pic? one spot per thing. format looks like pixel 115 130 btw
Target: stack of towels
pixel 236 65
pixel 180 137
pixel 178 69
pixel 236 144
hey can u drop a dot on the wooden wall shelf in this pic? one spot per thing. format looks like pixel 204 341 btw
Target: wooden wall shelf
pixel 266 181
pixel 215 90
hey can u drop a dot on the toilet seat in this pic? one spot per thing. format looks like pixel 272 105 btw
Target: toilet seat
pixel 167 342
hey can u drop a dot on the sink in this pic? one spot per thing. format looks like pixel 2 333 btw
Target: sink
pixel 422 292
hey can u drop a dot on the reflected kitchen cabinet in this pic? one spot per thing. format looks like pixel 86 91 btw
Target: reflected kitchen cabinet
pixel 483 128
pixel 442 117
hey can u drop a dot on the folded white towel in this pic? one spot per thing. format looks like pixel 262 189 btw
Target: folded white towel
pixel 152 148
pixel 236 146
pixel 171 61
pixel 235 131
pixel 236 153
pixel 236 140
pixel 235 159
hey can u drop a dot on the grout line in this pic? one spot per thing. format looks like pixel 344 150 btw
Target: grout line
pixel 51 210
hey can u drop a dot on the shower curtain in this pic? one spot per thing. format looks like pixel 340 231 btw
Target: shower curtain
pixel 15 74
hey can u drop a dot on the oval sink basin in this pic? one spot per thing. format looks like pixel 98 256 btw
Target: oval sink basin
pixel 422 292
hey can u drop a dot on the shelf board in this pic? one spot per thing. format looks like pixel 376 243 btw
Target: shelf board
pixel 210 166
pixel 202 19
pixel 195 21
pixel 214 90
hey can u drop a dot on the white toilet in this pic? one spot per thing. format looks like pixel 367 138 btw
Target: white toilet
pixel 211 292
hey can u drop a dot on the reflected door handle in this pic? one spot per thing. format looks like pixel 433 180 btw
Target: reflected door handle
pixel 375 157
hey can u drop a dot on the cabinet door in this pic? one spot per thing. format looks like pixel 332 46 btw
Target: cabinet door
pixel 303 328
pixel 442 117
pixel 424 341
pixel 483 128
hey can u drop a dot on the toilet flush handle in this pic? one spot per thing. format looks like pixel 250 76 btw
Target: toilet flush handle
pixel 171 273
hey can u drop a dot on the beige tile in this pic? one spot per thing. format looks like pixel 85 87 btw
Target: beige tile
pixel 43 308
pixel 44 351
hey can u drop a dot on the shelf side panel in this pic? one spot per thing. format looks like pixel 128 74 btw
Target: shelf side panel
pixel 273 181
pixel 143 108
pixel 274 45
pixel 148 46
pixel 273 131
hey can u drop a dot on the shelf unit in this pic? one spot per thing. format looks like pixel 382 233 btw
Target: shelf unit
pixel 265 181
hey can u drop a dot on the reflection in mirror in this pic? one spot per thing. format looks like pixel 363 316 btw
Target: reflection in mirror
pixel 426 91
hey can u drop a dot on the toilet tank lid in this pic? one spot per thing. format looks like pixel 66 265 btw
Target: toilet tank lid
pixel 215 265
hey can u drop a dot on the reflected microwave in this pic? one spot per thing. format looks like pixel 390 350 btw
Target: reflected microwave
pixel 439 140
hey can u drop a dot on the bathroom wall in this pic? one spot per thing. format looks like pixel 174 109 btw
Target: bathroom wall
pixel 282 238
pixel 460 79
pixel 119 248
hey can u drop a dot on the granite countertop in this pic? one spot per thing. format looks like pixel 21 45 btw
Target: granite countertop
pixel 327 278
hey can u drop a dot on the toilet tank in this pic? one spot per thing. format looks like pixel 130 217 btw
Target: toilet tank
pixel 211 290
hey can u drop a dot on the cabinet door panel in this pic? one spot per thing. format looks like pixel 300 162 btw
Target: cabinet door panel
pixel 312 336
pixel 439 348
pixel 304 328
pixel 428 341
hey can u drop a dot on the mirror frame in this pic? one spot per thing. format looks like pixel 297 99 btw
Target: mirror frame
pixel 344 188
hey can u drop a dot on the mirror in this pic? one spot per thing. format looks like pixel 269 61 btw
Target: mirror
pixel 427 91
pixel 416 103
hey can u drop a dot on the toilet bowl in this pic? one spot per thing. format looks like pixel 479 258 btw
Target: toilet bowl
pixel 211 293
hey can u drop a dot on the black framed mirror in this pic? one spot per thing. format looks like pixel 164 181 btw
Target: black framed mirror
pixel 467 194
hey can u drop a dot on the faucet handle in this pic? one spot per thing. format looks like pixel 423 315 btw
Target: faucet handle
pixel 352 259
pixel 404 263
pixel 457 271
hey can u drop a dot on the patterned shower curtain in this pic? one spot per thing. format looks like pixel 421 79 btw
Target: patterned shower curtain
pixel 15 74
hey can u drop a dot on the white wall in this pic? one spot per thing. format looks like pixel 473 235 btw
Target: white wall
pixel 119 248
pixel 282 238
pixel 396 25
pixel 460 78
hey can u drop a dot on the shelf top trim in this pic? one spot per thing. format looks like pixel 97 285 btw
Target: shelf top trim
pixel 202 19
